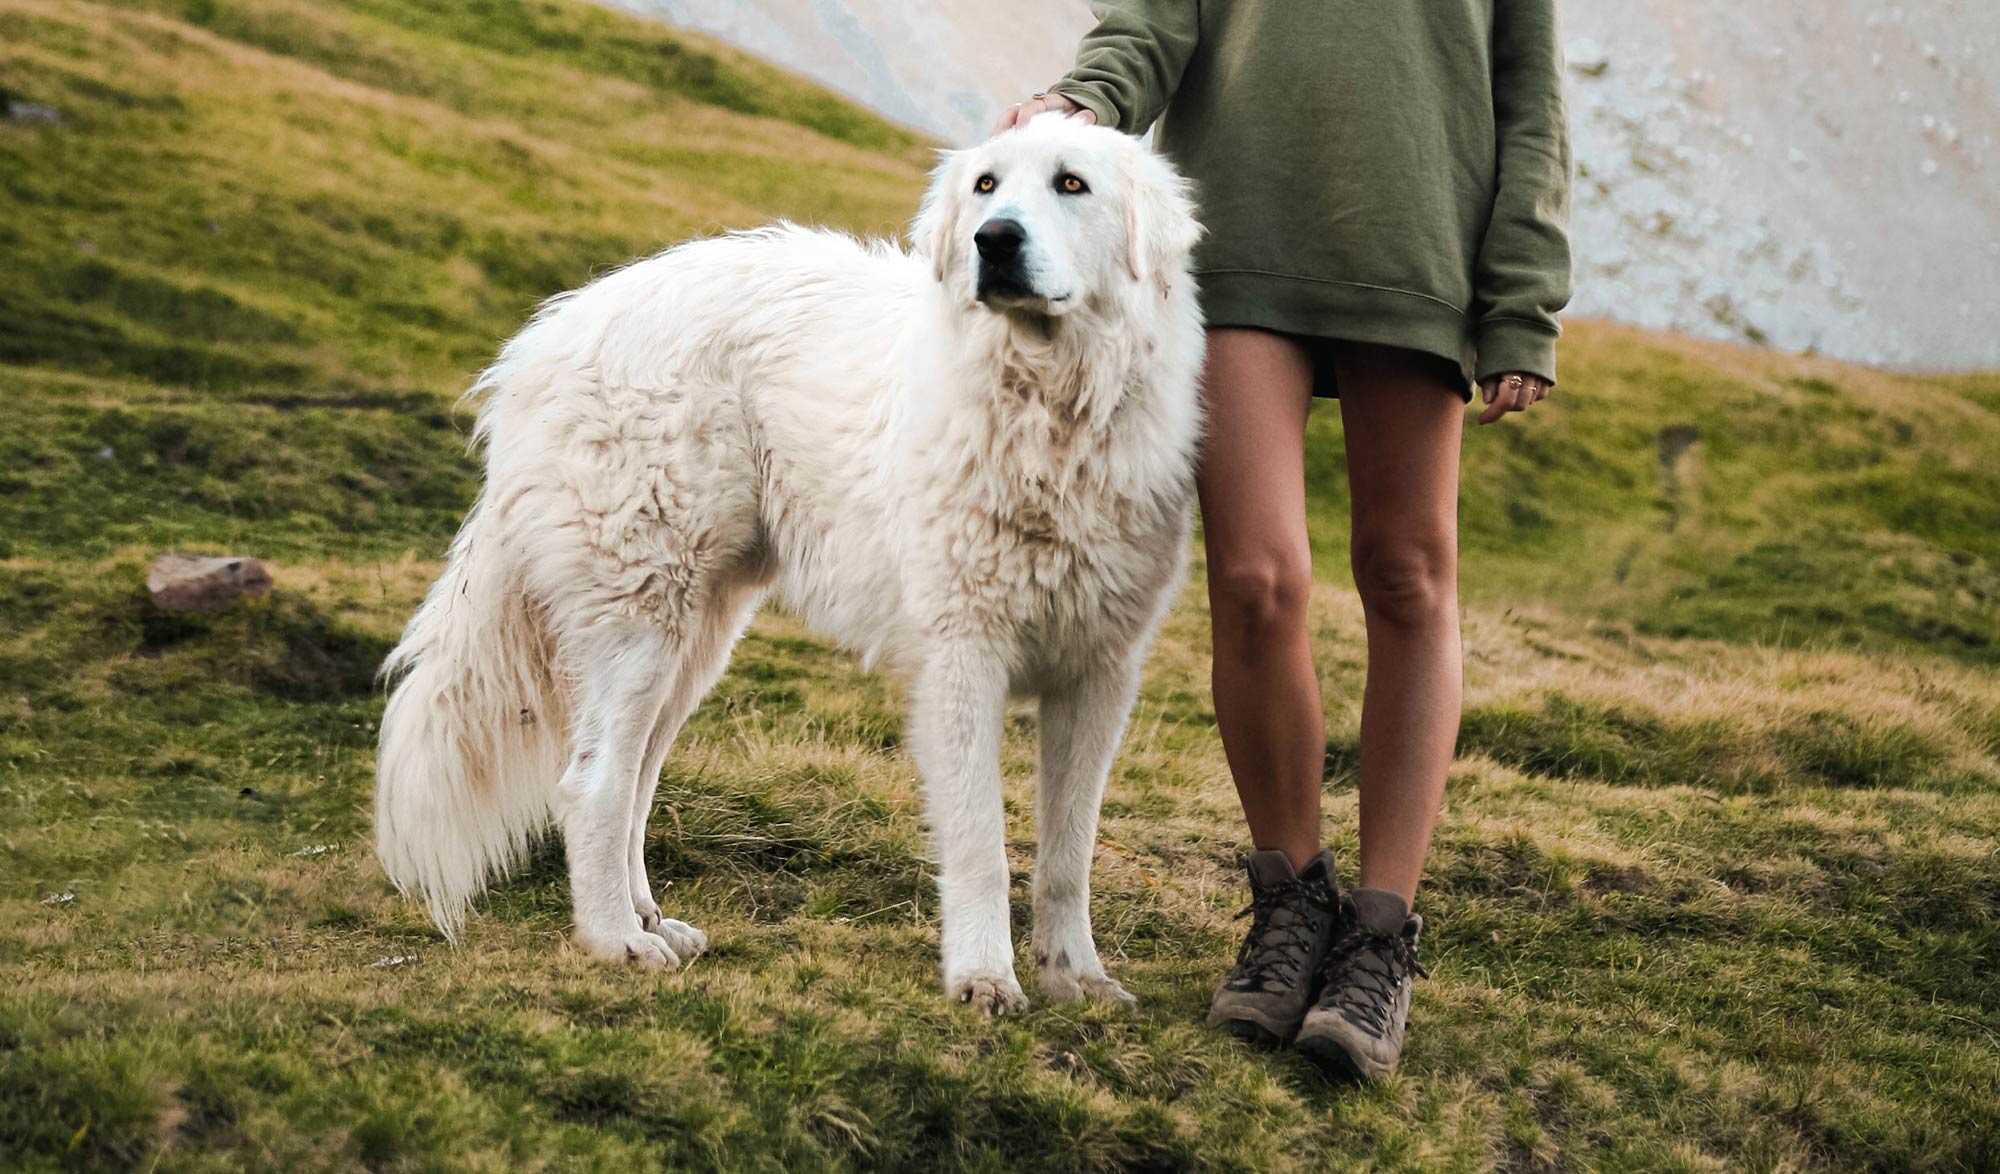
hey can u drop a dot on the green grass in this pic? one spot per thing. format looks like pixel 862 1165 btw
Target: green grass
pixel 1700 491
pixel 1715 888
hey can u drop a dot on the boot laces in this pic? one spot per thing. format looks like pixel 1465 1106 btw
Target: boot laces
pixel 1283 932
pixel 1364 971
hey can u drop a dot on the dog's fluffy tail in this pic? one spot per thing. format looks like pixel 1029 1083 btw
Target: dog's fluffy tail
pixel 475 733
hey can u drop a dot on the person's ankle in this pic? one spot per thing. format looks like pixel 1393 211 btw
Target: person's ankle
pixel 1301 856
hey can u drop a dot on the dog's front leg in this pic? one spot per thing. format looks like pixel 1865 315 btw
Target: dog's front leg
pixel 958 705
pixel 1082 723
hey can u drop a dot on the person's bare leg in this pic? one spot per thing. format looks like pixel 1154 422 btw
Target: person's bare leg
pixel 1257 391
pixel 1403 424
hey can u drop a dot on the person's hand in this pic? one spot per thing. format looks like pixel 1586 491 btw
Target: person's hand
pixel 1516 391
pixel 1020 112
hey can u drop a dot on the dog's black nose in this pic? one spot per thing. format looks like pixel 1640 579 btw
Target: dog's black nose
pixel 999 239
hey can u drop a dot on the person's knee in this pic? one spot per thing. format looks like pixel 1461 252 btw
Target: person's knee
pixel 1258 598
pixel 1407 581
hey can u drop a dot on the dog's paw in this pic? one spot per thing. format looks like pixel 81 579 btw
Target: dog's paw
pixel 638 948
pixel 683 939
pixel 1071 986
pixel 995 994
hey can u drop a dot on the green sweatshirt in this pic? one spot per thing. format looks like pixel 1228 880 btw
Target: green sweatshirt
pixel 1385 171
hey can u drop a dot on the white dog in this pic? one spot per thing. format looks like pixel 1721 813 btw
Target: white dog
pixel 973 465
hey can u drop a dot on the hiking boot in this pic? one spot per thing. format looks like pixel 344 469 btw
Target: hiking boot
pixel 1355 1028
pixel 1292 919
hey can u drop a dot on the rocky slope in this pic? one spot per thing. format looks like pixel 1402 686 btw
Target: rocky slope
pixel 1817 176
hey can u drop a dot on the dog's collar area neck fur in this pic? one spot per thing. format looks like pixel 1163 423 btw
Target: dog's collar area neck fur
pixel 1052 361
pixel 1062 360
pixel 1032 324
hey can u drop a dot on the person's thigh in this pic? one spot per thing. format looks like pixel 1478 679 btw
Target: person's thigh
pixel 1403 416
pixel 1256 392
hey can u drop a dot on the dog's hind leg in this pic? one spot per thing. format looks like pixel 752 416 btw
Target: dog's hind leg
pixel 956 713
pixel 1082 724
pixel 623 672
pixel 703 659
pixel 684 939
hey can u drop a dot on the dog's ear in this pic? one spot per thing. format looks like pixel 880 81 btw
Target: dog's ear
pixel 935 230
pixel 1160 224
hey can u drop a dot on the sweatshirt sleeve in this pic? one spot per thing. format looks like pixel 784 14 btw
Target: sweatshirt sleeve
pixel 1522 276
pixel 1130 64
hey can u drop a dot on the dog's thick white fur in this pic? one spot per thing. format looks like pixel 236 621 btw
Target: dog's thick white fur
pixel 975 470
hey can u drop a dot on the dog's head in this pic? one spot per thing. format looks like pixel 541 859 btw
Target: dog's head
pixel 1052 216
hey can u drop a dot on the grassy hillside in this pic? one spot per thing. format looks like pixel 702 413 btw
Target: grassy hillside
pixel 1716 886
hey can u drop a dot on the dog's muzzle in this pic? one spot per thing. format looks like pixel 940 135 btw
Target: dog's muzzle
pixel 1001 276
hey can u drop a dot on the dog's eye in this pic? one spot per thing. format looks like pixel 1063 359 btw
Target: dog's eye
pixel 1070 185
pixel 986 184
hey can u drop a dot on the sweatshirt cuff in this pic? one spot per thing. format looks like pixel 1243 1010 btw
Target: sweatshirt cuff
pixel 1081 94
pixel 1506 345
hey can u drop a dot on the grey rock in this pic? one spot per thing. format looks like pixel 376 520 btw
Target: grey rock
pixel 193 583
pixel 32 113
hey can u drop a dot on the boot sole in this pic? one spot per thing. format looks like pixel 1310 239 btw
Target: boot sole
pixel 1333 1061
pixel 1256 1034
